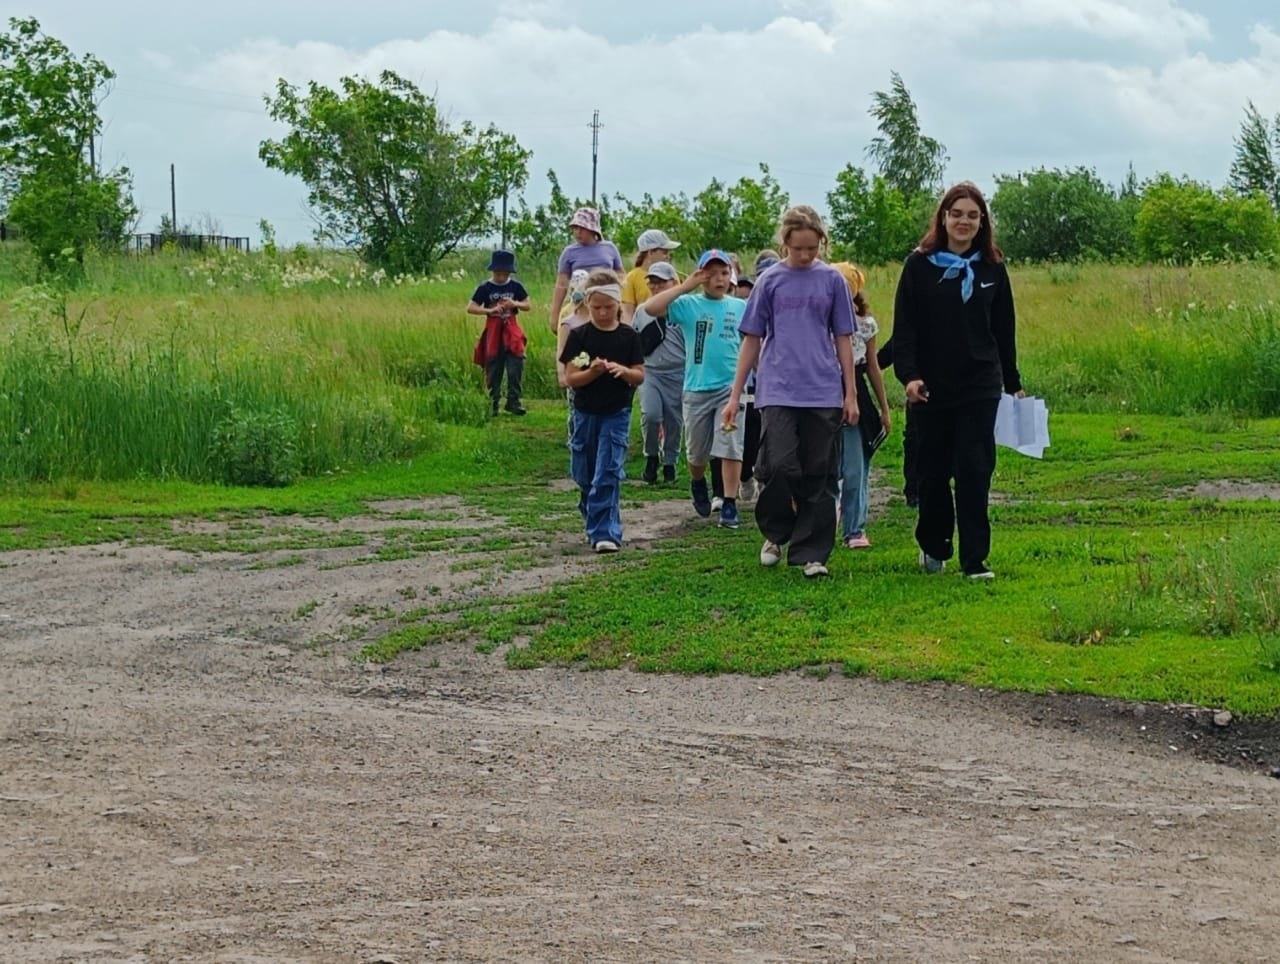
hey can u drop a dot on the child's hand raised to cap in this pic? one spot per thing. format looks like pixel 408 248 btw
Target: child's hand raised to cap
pixel 696 279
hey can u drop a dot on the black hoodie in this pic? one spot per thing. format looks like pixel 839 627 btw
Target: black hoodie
pixel 963 351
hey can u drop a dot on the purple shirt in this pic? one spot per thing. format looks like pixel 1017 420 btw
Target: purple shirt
pixel 602 254
pixel 798 312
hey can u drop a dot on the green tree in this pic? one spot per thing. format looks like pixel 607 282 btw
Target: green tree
pixel 871 222
pixel 544 229
pixel 1257 162
pixel 49 125
pixel 1053 215
pixel 1183 220
pixel 386 173
pixel 671 213
pixel 908 160
pixel 541 230
pixel 740 217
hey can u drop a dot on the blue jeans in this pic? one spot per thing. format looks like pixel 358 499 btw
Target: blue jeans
pixel 598 454
pixel 855 473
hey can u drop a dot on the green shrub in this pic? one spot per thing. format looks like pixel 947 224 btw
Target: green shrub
pixel 255 448
pixel 1184 221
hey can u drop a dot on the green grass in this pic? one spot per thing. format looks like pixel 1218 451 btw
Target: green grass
pixel 263 370
pixel 1112 581
pixel 123 403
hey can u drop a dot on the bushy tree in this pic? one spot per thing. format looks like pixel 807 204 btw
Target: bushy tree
pixel 386 173
pixel 1054 215
pixel 1257 162
pixel 741 217
pixel 1183 220
pixel 755 207
pixel 871 222
pixel 908 160
pixel 542 229
pixel 49 124
pixel 671 213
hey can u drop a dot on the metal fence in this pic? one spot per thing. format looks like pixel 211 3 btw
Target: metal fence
pixel 150 243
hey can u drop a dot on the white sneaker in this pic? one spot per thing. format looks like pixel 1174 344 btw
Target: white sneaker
pixel 605 545
pixel 814 569
pixel 770 554
pixel 717 503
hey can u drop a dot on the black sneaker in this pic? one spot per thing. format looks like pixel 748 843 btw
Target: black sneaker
pixel 701 497
pixel 668 473
pixel 495 409
pixel 650 469
pixel 515 408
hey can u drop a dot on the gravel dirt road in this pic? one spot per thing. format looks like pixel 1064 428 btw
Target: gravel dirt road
pixel 186 775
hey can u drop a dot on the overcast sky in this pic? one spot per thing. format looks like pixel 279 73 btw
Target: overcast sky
pixel 686 91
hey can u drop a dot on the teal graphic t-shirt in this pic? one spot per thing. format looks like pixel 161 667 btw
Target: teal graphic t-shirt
pixel 711 339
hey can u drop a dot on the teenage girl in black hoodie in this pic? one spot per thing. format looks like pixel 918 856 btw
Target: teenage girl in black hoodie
pixel 954 348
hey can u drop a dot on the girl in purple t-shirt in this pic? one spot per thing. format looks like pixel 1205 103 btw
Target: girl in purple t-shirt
pixel 588 252
pixel 797 333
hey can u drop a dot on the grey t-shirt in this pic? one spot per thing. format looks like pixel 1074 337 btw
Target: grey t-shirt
pixel 668 356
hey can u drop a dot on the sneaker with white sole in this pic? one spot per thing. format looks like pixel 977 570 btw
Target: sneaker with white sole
pixel 983 573
pixel 931 565
pixel 606 545
pixel 813 570
pixel 770 553
pixel 729 514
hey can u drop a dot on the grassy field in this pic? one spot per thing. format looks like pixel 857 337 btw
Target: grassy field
pixel 1124 569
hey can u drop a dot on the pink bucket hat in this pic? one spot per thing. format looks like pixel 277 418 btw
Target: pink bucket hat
pixel 588 218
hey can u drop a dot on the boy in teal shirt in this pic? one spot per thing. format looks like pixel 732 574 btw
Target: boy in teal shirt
pixel 709 322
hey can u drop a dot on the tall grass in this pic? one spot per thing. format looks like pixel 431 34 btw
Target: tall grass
pixel 252 368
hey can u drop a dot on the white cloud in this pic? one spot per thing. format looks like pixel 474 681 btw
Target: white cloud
pixel 1005 85
pixel 943 24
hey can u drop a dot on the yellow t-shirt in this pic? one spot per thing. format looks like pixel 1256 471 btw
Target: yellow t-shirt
pixel 635 287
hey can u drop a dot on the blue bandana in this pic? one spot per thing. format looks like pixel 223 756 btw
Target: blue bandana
pixel 954 265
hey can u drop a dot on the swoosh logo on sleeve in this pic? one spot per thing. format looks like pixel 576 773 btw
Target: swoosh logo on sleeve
pixel 987 284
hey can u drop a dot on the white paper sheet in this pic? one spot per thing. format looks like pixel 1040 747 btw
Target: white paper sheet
pixel 1022 424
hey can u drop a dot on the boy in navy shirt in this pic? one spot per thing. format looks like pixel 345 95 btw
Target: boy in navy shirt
pixel 503 342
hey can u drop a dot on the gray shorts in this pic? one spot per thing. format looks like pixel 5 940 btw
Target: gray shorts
pixel 704 437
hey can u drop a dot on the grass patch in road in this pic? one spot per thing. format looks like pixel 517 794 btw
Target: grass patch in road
pixel 1110 583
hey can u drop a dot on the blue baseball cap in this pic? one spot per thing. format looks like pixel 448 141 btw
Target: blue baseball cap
pixel 713 254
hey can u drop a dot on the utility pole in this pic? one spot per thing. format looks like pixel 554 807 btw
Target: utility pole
pixel 173 201
pixel 595 151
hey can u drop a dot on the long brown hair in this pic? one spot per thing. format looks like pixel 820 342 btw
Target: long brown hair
pixel 935 239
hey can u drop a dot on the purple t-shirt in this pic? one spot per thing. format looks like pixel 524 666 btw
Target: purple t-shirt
pixel 602 254
pixel 798 312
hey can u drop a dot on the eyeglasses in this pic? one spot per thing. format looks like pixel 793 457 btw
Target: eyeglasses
pixel 958 215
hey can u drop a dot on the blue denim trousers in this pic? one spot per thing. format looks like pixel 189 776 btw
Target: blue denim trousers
pixel 597 459
pixel 855 473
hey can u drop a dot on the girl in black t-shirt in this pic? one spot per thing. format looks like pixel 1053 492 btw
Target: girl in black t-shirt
pixel 603 365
